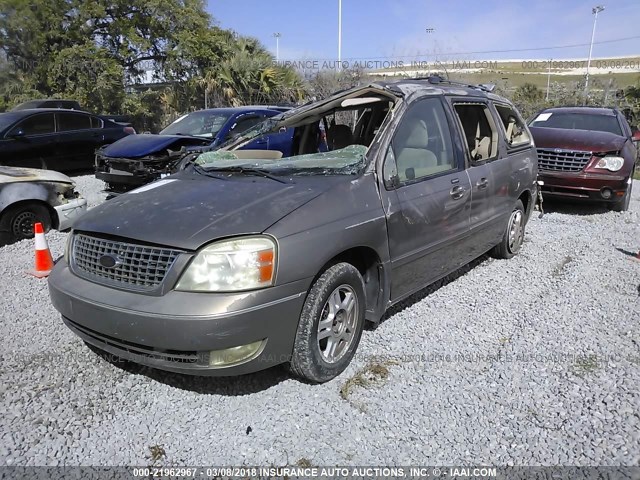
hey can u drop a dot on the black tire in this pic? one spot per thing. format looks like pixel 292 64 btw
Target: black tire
pixel 16 222
pixel 513 236
pixel 309 358
pixel 623 204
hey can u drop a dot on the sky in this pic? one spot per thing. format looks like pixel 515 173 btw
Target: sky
pixel 392 30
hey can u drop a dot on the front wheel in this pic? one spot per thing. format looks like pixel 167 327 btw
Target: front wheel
pixel 513 236
pixel 17 221
pixel 330 325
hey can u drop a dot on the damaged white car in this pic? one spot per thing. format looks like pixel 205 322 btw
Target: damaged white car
pixel 29 195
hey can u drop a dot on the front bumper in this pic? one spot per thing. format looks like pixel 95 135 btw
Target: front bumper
pixel 176 331
pixel 68 212
pixel 124 174
pixel 584 186
pixel 121 181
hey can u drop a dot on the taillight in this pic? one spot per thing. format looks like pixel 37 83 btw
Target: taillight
pixel 129 130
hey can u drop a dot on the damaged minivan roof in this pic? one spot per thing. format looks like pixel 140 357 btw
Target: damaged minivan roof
pixel 366 94
pixel 398 89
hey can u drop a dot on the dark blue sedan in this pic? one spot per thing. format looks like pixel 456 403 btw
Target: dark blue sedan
pixel 140 159
pixel 55 139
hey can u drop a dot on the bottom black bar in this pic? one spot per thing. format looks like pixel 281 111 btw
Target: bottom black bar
pixel 293 472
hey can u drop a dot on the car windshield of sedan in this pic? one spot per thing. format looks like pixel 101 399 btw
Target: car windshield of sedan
pixel 578 121
pixel 7 119
pixel 197 124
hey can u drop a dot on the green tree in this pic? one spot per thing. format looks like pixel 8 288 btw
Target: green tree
pixel 528 99
pixel 249 75
pixel 90 75
pixel 96 51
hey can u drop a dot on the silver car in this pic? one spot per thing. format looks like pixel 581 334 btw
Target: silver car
pixel 247 259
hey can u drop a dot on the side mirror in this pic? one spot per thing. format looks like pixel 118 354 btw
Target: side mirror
pixel 19 133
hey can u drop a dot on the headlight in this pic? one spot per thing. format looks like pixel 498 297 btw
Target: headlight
pixel 613 164
pixel 231 265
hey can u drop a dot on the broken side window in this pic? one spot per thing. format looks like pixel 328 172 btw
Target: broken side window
pixel 479 130
pixel 514 129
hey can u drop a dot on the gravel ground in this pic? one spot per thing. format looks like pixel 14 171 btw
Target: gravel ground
pixel 530 361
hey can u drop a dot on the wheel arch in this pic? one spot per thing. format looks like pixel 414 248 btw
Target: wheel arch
pixel 369 264
pixel 29 192
pixel 55 222
pixel 527 202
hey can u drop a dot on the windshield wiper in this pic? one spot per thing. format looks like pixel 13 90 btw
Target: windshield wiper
pixel 198 169
pixel 248 171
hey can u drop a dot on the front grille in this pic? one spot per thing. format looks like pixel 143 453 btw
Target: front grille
pixel 142 351
pixel 139 267
pixel 562 160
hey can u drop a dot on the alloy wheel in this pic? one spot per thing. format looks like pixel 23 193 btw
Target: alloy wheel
pixel 337 325
pixel 516 231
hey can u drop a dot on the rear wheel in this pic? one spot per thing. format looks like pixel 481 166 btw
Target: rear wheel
pixel 330 325
pixel 513 236
pixel 623 204
pixel 16 222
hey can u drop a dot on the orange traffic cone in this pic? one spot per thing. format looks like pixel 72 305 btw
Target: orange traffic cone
pixel 44 261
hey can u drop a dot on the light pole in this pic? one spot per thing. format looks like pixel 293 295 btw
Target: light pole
pixel 339 34
pixel 595 11
pixel 549 78
pixel 277 35
pixel 428 31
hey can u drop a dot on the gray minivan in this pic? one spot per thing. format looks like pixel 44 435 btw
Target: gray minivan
pixel 246 259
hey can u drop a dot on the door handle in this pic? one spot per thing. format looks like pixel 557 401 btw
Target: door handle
pixel 456 192
pixel 482 183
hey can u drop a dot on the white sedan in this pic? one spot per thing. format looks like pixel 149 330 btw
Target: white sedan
pixel 30 195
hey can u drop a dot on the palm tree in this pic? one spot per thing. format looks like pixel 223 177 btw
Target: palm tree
pixel 249 75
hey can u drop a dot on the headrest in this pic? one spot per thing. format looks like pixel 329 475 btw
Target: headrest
pixel 417 135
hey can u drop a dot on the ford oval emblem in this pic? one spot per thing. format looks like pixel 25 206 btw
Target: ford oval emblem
pixel 109 261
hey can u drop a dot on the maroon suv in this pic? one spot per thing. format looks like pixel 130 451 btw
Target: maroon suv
pixel 586 153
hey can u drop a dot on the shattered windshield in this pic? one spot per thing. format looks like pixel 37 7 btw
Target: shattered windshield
pixel 261 128
pixel 197 124
pixel 344 161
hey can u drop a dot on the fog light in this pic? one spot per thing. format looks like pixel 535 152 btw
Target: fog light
pixel 606 193
pixel 233 355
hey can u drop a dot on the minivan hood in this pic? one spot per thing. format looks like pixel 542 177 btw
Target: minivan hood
pixel 568 139
pixel 187 210
pixel 134 146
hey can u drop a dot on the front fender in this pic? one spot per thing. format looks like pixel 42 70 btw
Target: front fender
pixel 20 191
pixel 347 216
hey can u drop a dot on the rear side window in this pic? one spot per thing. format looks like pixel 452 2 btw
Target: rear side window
pixel 479 130
pixel 36 125
pixel 73 121
pixel 421 146
pixel 514 129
